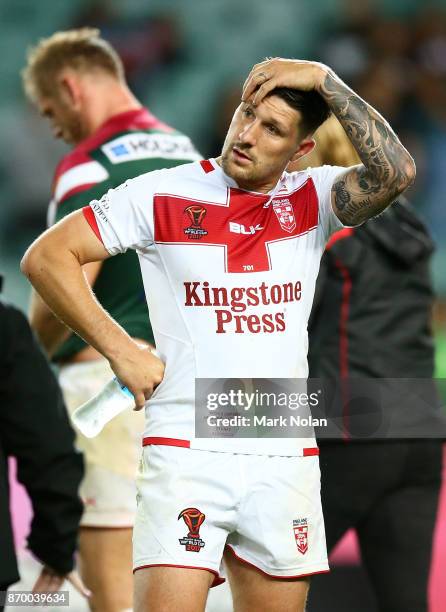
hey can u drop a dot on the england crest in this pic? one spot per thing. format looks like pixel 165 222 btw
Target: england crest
pixel 300 528
pixel 285 214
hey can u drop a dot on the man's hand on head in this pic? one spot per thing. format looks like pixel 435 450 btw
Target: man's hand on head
pixel 279 72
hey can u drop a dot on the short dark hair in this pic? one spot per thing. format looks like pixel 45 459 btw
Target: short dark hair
pixel 310 104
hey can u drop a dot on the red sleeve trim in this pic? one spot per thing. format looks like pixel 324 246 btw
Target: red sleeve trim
pixel 311 452
pixel 207 166
pixel 229 547
pixel 217 579
pixel 344 233
pixel 91 220
pixel 165 442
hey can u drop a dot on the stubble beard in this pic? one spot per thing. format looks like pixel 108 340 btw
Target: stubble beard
pixel 239 174
pixel 73 130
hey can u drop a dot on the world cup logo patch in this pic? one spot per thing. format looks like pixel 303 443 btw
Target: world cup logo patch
pixel 193 518
pixel 196 215
pixel 300 528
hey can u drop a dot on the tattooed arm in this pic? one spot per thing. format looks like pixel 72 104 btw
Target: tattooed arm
pixel 387 168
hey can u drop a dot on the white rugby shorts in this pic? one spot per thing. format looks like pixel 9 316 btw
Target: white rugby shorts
pixel 265 509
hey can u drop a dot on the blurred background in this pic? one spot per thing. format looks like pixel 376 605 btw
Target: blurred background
pixel 187 61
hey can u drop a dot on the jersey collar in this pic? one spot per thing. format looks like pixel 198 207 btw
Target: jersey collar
pixel 139 118
pixel 232 183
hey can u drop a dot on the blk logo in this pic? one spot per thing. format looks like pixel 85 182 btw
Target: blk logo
pixel 238 228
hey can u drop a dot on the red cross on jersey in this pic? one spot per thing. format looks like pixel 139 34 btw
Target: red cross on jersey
pixel 229 277
pixel 245 227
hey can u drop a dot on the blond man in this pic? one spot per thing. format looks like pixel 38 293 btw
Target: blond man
pixel 76 80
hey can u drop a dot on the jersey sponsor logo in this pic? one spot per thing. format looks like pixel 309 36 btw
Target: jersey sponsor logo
pixel 300 528
pixel 194 518
pixel 239 228
pixel 285 214
pixel 142 145
pixel 196 215
pixel 232 304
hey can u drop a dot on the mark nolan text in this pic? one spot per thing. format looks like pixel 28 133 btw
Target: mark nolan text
pixel 264 421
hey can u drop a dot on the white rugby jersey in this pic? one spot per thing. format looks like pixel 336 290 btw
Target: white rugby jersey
pixel 229 277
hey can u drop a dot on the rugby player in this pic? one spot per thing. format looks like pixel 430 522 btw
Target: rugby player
pixel 255 502
pixel 76 80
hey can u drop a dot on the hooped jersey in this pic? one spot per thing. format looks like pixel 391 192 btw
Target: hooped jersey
pixel 229 277
pixel 125 146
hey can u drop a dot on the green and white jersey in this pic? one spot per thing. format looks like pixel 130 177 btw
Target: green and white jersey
pixel 127 145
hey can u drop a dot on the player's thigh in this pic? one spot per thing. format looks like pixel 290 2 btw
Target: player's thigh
pixel 171 589
pixel 106 567
pixel 396 539
pixel 252 590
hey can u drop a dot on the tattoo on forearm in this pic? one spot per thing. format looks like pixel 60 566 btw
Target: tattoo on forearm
pixel 387 167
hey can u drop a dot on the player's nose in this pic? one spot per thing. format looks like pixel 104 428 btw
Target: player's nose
pixel 248 134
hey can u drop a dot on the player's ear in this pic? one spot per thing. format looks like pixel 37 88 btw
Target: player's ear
pixel 70 90
pixel 305 147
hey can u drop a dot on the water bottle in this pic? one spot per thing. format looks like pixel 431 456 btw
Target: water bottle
pixel 92 416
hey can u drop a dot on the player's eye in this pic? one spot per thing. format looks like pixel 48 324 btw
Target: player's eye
pixel 247 112
pixel 272 129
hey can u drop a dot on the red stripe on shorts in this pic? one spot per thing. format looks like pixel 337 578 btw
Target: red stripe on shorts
pixel 307 452
pixel 165 441
pixel 275 576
